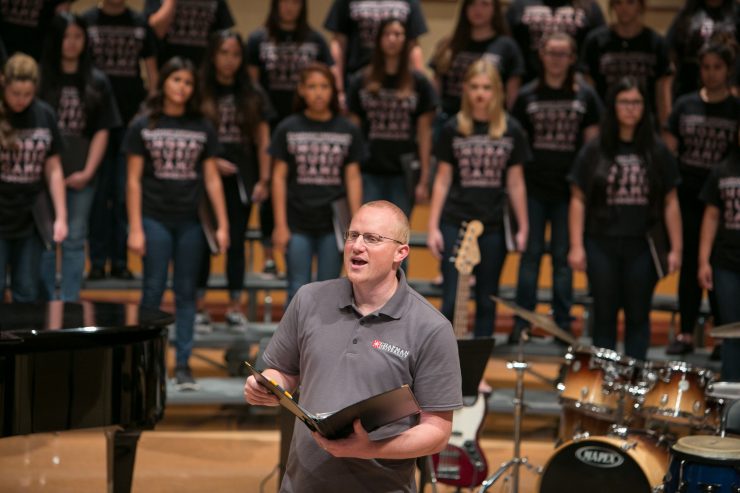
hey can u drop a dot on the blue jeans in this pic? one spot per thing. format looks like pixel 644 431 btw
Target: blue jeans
pixel 22 255
pixel 492 255
pixel 73 248
pixel 183 244
pixel 727 290
pixel 387 187
pixel 299 256
pixel 540 212
pixel 621 274
pixel 108 222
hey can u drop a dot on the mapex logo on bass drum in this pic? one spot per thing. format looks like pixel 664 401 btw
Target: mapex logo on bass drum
pixel 599 457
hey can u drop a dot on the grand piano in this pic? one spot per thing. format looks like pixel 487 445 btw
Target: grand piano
pixel 67 366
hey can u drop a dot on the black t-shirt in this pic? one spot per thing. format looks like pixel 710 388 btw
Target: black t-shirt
pixel 607 57
pixel 479 166
pixel 23 24
pixel 389 119
pixel 118 43
pixel 722 189
pixel 705 132
pixel 554 120
pixel 502 51
pixel 316 153
pixel 627 209
pixel 193 23
pixel 173 151
pixel 359 21
pixel 529 20
pixel 685 39
pixel 22 167
pixel 280 62
pixel 3 53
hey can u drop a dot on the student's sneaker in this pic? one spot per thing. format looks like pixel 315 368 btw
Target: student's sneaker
pixel 184 379
pixel 236 321
pixel 679 347
pixel 203 322
pixel 269 271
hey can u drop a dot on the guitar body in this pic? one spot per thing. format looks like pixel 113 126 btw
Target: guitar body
pixel 462 463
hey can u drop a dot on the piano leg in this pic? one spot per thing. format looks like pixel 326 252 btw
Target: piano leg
pixel 121 458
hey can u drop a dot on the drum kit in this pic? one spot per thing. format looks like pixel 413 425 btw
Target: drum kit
pixel 629 425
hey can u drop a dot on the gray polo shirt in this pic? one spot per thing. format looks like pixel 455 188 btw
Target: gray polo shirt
pixel 344 357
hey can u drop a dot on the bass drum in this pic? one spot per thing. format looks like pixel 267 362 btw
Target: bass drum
pixel 607 464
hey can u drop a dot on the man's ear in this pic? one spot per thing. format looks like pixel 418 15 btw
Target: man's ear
pixel 401 253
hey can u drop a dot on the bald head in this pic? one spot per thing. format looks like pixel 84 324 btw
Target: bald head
pixel 396 218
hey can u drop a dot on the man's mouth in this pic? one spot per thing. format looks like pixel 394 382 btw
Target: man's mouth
pixel 358 262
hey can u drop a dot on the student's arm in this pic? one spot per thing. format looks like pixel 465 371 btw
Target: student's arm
pixel 576 219
pixel 590 132
pixel 518 195
pixel 261 189
pixel 353 184
pixel 673 225
pixel 424 149
pixel 161 20
pixel 281 233
pixel 709 225
pixel 257 395
pixel 663 98
pixel 55 182
pixel 338 47
pixel 416 57
pixel 79 179
pixel 512 90
pixel 254 73
pixel 136 239
pixel 429 437
pixel 215 190
pixel 441 188
pixel 152 74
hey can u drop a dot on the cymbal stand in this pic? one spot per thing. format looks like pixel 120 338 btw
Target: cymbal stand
pixel 520 366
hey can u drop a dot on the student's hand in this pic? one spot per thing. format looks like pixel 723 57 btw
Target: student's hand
pixel 521 240
pixel 137 242
pixel 705 276
pixel 59 232
pixel 435 242
pixel 421 192
pixel 358 445
pixel 577 258
pixel 222 238
pixel 260 192
pixel 280 238
pixel 77 180
pixel 257 395
pixel 226 168
pixel 674 261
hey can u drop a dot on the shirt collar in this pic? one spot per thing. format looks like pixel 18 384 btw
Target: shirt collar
pixel 394 306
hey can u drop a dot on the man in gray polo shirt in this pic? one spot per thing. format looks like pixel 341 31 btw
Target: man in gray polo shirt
pixel 348 339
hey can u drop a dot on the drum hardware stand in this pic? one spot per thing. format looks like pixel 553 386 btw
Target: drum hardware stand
pixel 520 366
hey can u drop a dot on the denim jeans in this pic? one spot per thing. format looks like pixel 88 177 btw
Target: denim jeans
pixel 492 255
pixel 540 212
pixel 387 187
pixel 727 289
pixel 22 256
pixel 182 243
pixel 108 222
pixel 621 274
pixel 299 256
pixel 73 248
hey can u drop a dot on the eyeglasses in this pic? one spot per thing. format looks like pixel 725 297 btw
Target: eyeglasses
pixel 557 54
pixel 630 103
pixel 367 238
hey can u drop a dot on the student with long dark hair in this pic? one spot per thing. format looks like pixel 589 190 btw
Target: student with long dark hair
pixel 623 185
pixel 316 156
pixel 172 152
pixel 695 24
pixel 719 251
pixel 481 154
pixel 480 32
pixel 86 111
pixel 629 47
pixel 239 112
pixel 702 130
pixel 29 156
pixel 559 113
pixel 394 106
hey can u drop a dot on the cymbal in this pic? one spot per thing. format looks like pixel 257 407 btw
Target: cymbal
pixel 537 320
pixel 727 331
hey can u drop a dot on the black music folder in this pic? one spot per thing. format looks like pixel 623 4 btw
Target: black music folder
pixel 374 412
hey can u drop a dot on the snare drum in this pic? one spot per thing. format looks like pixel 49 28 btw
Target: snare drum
pixel 607 464
pixel 703 463
pixel 673 391
pixel 595 380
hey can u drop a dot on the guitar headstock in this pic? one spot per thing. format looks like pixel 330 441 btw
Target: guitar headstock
pixel 467 254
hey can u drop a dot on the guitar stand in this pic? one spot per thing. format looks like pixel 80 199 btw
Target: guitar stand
pixel 520 366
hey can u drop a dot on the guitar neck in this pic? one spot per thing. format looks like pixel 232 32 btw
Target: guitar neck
pixel 460 318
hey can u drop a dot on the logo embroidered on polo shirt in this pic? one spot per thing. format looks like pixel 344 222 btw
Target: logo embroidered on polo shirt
pixel 391 349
